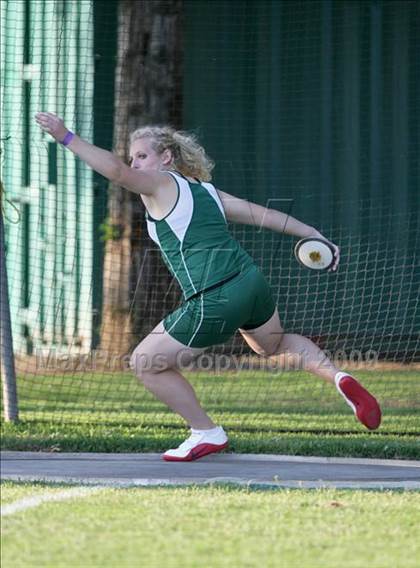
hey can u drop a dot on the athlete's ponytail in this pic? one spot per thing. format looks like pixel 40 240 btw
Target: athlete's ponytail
pixel 189 158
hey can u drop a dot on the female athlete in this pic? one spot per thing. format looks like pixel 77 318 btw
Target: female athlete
pixel 223 289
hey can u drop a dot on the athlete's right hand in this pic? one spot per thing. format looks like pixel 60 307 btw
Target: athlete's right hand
pixel 336 255
pixel 52 124
pixel 334 246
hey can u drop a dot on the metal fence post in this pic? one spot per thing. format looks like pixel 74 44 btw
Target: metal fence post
pixel 8 375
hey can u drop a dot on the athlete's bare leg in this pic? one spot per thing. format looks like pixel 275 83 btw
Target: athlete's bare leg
pixel 298 352
pixel 294 351
pixel 155 362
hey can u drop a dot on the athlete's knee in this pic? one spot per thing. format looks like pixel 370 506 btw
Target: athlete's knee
pixel 271 346
pixel 146 364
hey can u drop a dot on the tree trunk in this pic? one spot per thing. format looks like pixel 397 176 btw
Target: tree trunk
pixel 138 289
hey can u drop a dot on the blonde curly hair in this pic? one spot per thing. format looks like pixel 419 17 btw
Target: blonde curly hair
pixel 189 157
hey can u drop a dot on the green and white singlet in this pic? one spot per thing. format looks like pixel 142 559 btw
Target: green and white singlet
pixel 222 287
pixel 194 239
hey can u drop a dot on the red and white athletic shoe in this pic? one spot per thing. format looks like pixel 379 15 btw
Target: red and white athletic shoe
pixel 363 404
pixel 199 444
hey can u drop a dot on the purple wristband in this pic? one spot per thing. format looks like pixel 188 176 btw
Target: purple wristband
pixel 68 138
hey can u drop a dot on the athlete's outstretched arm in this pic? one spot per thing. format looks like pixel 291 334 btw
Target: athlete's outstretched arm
pixel 242 211
pixel 105 163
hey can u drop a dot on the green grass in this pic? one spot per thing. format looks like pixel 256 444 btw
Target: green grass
pixel 289 413
pixel 213 527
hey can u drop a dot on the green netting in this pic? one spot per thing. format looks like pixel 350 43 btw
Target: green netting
pixel 307 107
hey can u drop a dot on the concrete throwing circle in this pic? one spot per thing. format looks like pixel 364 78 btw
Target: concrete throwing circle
pixel 252 470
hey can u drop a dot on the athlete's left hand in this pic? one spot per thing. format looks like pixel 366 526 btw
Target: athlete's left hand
pixel 52 124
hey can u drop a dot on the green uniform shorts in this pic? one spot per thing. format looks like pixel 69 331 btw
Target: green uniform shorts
pixel 213 316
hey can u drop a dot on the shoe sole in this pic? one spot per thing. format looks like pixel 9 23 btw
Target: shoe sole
pixel 365 406
pixel 198 452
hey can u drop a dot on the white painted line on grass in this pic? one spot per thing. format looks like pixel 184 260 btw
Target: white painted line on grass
pixel 31 502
